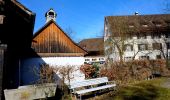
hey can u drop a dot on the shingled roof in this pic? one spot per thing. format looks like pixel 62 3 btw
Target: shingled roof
pixel 138 23
pixel 93 45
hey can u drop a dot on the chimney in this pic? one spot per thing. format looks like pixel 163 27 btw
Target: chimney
pixel 50 15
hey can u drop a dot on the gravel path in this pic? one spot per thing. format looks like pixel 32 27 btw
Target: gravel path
pixel 166 84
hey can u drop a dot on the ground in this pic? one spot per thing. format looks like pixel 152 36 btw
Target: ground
pixel 166 84
pixel 155 89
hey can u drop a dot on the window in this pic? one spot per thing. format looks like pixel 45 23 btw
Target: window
pixel 94 59
pixel 142 47
pixel 144 57
pixel 157 46
pixel 128 58
pixel 87 59
pixel 101 58
pixel 168 45
pixel 158 56
pixel 128 47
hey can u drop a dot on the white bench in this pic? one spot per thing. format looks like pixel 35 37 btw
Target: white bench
pixel 78 88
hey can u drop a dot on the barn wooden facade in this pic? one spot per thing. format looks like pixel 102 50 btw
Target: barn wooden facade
pixel 53 40
pixel 16 25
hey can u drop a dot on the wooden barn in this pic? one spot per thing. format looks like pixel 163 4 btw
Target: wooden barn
pixel 52 41
pixel 16 31
pixel 54 47
pixel 16 25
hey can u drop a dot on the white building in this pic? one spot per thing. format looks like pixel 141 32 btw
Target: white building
pixel 137 37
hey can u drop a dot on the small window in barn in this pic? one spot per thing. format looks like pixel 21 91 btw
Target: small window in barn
pixel 101 59
pixel 94 59
pixel 144 57
pixel 128 58
pixel 87 59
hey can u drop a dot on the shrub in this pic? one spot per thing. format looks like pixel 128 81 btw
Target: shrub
pixel 90 71
pixel 134 70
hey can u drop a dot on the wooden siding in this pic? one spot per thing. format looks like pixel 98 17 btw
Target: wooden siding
pixel 1 19
pixel 2 50
pixel 53 40
pixel 61 54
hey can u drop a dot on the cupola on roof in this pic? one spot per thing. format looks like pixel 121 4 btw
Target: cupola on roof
pixel 50 15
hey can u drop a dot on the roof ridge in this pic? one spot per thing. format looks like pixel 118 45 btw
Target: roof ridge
pixel 137 15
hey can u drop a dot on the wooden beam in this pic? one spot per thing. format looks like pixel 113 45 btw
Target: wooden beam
pixel 61 54
pixel 2 19
pixel 2 2
pixel 2 50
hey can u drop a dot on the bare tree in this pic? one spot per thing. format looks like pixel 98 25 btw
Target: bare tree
pixel 46 73
pixel 66 73
pixel 120 37
pixel 71 33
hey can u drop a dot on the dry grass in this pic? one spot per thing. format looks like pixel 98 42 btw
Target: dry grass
pixel 144 90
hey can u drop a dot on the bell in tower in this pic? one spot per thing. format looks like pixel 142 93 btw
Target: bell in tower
pixel 50 15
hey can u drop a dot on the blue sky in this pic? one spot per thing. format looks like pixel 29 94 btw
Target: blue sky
pixel 86 17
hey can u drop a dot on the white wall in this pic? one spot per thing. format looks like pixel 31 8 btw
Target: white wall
pixel 63 61
pixel 90 59
pixel 28 76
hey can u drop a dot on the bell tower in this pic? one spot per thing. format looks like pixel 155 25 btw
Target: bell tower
pixel 50 15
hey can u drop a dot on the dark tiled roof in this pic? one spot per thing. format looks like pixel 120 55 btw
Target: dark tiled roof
pixel 138 23
pixel 93 45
